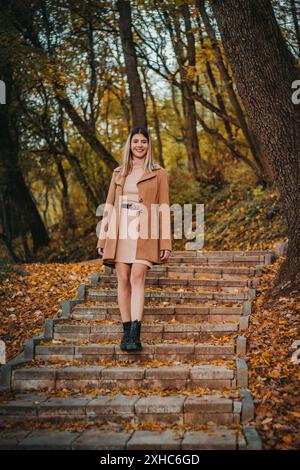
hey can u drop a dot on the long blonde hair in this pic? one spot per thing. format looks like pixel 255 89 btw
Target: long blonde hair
pixel 127 153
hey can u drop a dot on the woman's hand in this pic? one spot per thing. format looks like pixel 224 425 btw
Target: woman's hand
pixel 164 254
pixel 100 251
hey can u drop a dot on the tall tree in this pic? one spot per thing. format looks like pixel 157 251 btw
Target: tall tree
pixel 156 121
pixel 264 70
pixel 18 213
pixel 138 107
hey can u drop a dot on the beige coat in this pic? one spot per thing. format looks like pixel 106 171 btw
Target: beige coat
pixel 153 188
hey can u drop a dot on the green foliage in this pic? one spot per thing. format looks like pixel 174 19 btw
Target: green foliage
pixel 184 189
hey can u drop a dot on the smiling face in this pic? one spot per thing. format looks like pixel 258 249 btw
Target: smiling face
pixel 139 146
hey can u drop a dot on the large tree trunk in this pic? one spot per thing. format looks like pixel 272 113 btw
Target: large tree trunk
pixel 264 70
pixel 18 213
pixel 136 93
pixel 189 105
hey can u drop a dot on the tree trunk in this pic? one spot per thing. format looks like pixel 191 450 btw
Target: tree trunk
pixel 264 70
pixel 136 93
pixel 19 214
pixel 190 106
pixel 156 122
pixel 68 215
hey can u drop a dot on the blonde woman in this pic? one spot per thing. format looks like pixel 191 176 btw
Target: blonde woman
pixel 135 231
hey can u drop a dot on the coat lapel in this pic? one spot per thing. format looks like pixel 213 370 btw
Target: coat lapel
pixel 120 179
pixel 147 176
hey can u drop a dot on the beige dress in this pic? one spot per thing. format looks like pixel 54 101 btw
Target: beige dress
pixel 128 232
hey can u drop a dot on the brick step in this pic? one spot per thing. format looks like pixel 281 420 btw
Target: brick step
pixel 179 296
pixel 162 352
pixel 221 259
pixel 173 409
pixel 221 253
pixel 246 262
pixel 253 262
pixel 183 314
pixel 106 438
pixel 210 272
pixel 219 285
pixel 232 259
pixel 213 257
pixel 94 332
pixel 174 377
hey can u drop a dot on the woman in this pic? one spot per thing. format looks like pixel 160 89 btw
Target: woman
pixel 138 197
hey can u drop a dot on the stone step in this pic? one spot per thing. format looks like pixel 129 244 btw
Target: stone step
pixel 222 259
pixel 173 409
pixel 209 272
pixel 96 331
pixel 224 254
pixel 248 261
pixel 170 377
pixel 234 258
pixel 216 253
pixel 106 438
pixel 178 296
pixel 184 314
pixel 219 285
pixel 161 352
pixel 187 383
pixel 254 262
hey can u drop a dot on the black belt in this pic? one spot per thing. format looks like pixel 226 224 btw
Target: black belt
pixel 130 206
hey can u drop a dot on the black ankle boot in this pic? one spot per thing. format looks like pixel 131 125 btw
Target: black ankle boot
pixel 126 336
pixel 134 343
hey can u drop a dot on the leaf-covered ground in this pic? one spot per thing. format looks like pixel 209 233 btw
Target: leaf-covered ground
pixel 273 376
pixel 28 299
pixel 238 216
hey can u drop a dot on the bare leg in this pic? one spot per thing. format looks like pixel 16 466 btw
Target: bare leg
pixel 124 289
pixel 137 280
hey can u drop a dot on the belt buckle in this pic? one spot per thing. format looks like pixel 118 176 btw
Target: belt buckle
pixel 135 207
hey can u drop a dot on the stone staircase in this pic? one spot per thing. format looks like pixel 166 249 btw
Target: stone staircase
pixel 73 388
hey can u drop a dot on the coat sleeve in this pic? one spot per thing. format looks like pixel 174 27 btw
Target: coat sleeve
pixel 165 235
pixel 107 212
